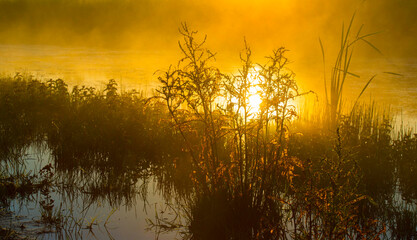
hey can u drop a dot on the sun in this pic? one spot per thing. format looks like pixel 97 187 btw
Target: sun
pixel 250 95
pixel 254 99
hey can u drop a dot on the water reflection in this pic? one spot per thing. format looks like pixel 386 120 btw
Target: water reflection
pixel 83 205
pixel 85 164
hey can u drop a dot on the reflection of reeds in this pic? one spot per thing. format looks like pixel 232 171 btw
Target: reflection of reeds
pixel 234 173
pixel 250 174
pixel 314 185
pixel 405 150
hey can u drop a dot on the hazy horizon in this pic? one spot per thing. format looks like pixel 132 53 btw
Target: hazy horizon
pixel 130 40
pixel 154 24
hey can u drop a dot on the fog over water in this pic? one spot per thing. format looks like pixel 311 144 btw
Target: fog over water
pixel 91 41
pixel 124 166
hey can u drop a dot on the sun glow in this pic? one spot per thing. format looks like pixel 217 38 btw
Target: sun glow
pixel 251 95
pixel 254 99
pixel 254 96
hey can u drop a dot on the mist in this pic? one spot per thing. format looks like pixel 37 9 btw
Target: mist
pixel 127 24
pixel 152 26
pixel 188 119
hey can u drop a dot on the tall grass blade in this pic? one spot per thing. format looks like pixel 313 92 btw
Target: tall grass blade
pixel 350 73
pixel 359 31
pixel 110 214
pixel 373 46
pixel 393 73
pixel 363 90
pixel 324 70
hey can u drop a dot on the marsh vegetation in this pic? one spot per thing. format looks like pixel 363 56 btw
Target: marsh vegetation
pixel 231 155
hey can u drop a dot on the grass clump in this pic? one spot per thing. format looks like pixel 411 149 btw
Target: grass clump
pixel 250 178
pixel 231 170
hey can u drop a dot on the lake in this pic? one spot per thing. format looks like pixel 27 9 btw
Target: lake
pixel 112 216
pixel 139 68
pixel 130 187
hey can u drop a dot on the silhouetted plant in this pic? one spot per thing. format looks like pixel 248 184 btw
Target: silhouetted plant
pixel 234 171
pixel 340 72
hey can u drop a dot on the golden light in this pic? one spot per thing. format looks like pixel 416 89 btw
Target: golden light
pixel 254 95
pixel 251 98
pixel 254 99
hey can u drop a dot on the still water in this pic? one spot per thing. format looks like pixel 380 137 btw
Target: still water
pixel 79 66
pixel 128 216
pixel 139 69
pixel 86 215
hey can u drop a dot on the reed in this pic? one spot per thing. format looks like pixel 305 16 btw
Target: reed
pixel 229 171
pixel 341 71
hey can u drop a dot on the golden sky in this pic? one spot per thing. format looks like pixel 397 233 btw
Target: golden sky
pixel 266 25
